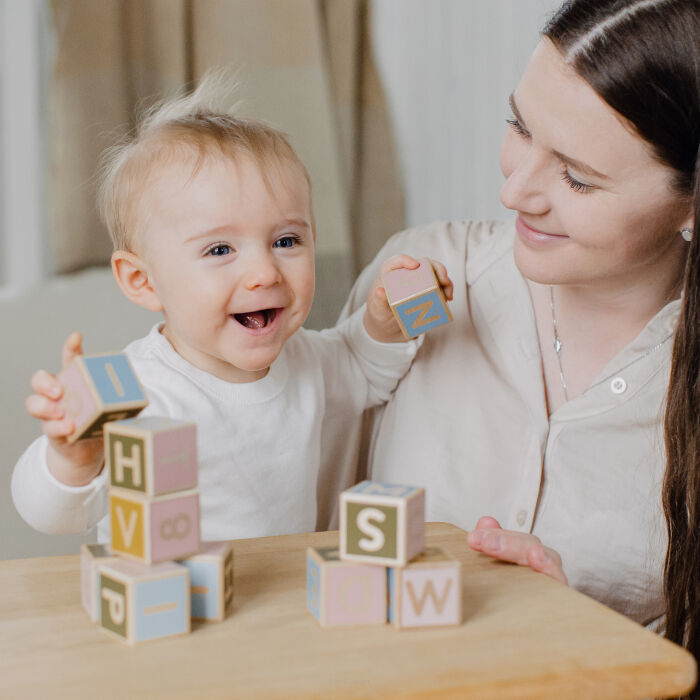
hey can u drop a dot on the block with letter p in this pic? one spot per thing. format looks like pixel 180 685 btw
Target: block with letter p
pixel 416 298
pixel 98 389
pixel 344 593
pixel 382 523
pixel 154 529
pixel 151 455
pixel 91 556
pixel 139 603
pixel 427 592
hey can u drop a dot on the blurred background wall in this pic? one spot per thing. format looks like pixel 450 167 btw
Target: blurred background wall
pixel 397 107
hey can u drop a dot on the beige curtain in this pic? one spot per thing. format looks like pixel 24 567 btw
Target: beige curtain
pixel 304 66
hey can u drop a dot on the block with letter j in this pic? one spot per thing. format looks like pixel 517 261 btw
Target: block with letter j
pixel 382 523
pixel 416 298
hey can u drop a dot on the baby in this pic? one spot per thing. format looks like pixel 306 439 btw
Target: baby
pixel 212 225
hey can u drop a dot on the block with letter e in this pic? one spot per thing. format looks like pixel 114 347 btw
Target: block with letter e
pixel 98 389
pixel 417 299
pixel 211 581
pixel 154 529
pixel 152 455
pixel 344 593
pixel 382 523
pixel 139 603
pixel 427 592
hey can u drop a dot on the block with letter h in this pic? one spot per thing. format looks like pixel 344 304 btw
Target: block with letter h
pixel 416 298
pixel 98 389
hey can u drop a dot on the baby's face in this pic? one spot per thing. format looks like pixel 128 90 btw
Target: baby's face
pixel 231 263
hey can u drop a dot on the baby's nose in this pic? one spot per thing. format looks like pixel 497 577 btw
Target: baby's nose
pixel 262 272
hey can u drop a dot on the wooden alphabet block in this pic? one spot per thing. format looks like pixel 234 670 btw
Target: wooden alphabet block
pixel 154 529
pixel 151 455
pixel 98 389
pixel 139 603
pixel 382 523
pixel 417 299
pixel 427 592
pixel 91 556
pixel 211 581
pixel 342 593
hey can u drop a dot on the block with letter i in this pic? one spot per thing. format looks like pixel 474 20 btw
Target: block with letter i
pixel 98 389
pixel 344 593
pixel 153 529
pixel 417 299
pixel 151 455
pixel 382 523
pixel 139 603
pixel 211 580
pixel 427 592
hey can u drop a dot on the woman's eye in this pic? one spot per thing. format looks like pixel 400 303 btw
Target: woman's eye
pixel 517 127
pixel 575 184
pixel 286 242
pixel 219 249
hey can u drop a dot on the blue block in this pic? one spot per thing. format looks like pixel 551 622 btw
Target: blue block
pixel 422 313
pixel 103 369
pixel 160 608
pixel 204 575
pixel 379 488
pixel 313 587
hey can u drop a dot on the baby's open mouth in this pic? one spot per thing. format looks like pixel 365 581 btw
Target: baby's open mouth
pixel 256 319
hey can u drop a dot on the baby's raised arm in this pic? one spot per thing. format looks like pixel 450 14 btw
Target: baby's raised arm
pixel 74 464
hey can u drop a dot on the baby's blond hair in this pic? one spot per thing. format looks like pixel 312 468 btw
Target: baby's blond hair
pixel 183 129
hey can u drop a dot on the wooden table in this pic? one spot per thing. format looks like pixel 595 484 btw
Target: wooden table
pixel 523 636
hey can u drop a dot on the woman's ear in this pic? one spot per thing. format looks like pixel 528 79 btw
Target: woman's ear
pixel 131 274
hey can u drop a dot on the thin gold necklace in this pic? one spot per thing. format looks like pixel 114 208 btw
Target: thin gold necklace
pixel 557 342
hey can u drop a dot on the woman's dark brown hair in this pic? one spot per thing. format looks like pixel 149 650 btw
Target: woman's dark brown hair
pixel 643 58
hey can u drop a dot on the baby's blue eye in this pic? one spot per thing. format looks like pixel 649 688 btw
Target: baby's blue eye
pixel 286 242
pixel 220 249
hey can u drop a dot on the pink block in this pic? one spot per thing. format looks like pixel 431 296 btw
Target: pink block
pixel 430 598
pixel 175 459
pixel 402 284
pixel 174 527
pixel 77 400
pixel 355 595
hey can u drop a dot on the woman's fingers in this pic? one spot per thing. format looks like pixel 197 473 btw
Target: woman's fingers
pixel 71 348
pixel 516 547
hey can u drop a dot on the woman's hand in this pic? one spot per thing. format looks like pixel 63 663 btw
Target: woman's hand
pixel 517 547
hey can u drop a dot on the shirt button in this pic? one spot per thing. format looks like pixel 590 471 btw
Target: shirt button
pixel 520 518
pixel 618 385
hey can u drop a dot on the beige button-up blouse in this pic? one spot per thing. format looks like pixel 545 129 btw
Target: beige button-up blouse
pixel 469 423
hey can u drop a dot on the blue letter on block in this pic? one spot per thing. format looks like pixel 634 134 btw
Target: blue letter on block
pixel 160 608
pixel 114 379
pixel 313 587
pixel 422 313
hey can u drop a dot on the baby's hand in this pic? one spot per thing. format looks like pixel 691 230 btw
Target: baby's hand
pixel 72 464
pixel 380 321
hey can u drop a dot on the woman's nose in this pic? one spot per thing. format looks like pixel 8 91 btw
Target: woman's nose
pixel 526 180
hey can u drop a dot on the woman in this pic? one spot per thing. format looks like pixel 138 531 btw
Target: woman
pixel 542 403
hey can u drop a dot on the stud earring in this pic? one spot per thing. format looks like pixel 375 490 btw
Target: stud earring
pixel 687 234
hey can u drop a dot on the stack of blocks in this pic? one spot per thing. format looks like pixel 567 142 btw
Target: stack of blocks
pixel 382 569
pixel 136 589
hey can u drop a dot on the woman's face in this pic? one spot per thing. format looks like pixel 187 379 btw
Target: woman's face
pixel 594 206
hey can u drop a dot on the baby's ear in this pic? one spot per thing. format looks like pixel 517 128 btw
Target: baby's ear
pixel 131 273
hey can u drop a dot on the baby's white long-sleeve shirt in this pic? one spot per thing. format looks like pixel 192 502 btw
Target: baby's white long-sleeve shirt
pixel 258 444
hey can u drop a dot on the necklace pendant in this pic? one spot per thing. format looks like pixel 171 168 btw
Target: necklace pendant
pixel 557 345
